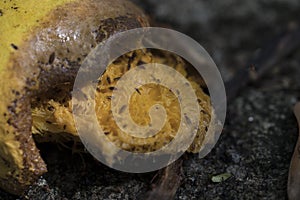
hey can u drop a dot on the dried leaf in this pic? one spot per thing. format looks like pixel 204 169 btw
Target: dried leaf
pixel 220 178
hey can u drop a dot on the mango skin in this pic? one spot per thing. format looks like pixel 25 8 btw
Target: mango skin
pixel 42 44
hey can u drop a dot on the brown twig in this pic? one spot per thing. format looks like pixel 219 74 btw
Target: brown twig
pixel 169 178
pixel 294 173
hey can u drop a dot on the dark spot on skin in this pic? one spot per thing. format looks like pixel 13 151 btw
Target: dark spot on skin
pixel 141 63
pixel 128 66
pixel 51 58
pixel 112 88
pixel 11 122
pixel 98 89
pixel 30 82
pixel 187 119
pixel 17 93
pixel 65 126
pixel 12 109
pixel 106 133
pixel 95 32
pixel 137 90
pixel 108 97
pixel 108 80
pixel 15 47
pixel 48 122
pixel 4 114
pixel 125 126
pixel 122 109
pixel 133 56
pixel 116 61
pixel 130 60
pixel 1 13
pixel 155 79
pixel 205 90
pixel 50 108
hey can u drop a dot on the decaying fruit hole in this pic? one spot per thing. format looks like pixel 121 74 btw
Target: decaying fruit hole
pixel 52 111
pixel 141 101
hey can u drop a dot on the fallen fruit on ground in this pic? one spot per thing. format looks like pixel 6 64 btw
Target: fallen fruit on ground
pixel 42 45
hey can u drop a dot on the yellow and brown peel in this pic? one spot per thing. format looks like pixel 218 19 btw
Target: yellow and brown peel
pixel 42 44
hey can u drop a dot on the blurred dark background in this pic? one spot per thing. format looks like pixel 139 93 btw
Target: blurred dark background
pixel 260 132
pixel 231 31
